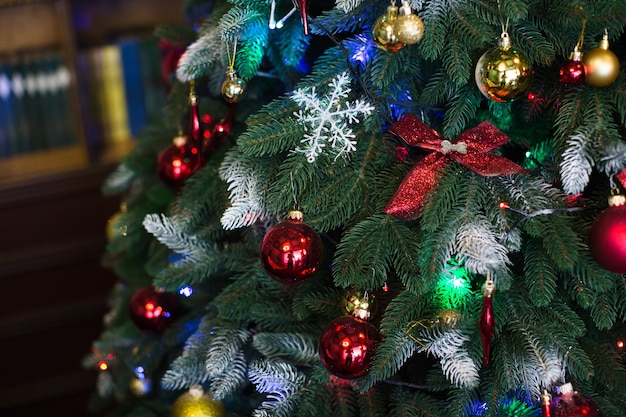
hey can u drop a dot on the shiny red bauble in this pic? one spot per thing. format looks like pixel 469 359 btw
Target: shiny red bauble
pixel 607 239
pixel 152 310
pixel 347 346
pixel 291 251
pixel 572 404
pixel 572 72
pixel 177 162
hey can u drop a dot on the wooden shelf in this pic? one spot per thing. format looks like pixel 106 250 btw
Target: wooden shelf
pixel 27 26
pixel 24 167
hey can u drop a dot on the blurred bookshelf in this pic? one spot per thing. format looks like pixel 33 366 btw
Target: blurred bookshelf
pixel 78 81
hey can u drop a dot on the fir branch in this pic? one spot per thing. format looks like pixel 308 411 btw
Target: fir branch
pixel 464 105
pixel 540 274
pixel 435 17
pixel 167 232
pixel 377 244
pixel 281 381
pixel 391 354
pixel 201 57
pixel 189 368
pixel 224 346
pixel 232 379
pixel 478 247
pixel 417 404
pixel 119 181
pixel 298 347
pixel 246 185
pixel 456 362
pixel 457 61
pixel 604 310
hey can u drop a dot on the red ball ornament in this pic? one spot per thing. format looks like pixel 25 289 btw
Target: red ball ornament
pixel 573 71
pixel 347 346
pixel 570 403
pixel 177 162
pixel 607 236
pixel 152 310
pixel 291 251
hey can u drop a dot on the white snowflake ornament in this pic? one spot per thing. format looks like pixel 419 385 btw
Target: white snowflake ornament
pixel 327 119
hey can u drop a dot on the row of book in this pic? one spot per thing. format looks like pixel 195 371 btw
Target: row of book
pixel 35 104
pixel 121 89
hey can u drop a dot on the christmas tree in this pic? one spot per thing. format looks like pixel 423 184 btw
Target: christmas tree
pixel 361 208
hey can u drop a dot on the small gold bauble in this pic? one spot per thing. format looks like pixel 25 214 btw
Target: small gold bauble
pixel 503 73
pixel 601 65
pixel 233 89
pixel 140 386
pixel 383 33
pixel 448 317
pixel 360 304
pixel 197 403
pixel 408 27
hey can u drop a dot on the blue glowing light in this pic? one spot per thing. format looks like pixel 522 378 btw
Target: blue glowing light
pixel 140 372
pixel 186 291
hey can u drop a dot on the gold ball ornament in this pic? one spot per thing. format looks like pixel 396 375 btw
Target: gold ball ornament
pixel 383 32
pixel 233 89
pixel 503 73
pixel 448 317
pixel 601 65
pixel 140 386
pixel 361 304
pixel 197 403
pixel 408 27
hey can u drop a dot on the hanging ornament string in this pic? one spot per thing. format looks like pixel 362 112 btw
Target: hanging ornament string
pixel 581 37
pixel 231 59
pixel 293 192
pixel 233 88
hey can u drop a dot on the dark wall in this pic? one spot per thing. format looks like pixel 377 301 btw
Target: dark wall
pixel 53 292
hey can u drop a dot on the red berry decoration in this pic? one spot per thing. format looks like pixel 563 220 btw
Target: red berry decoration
pixel 570 403
pixel 177 162
pixel 291 251
pixel 152 310
pixel 573 71
pixel 347 346
pixel 607 236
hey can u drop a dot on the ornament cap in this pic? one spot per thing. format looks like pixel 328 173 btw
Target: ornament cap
pixel 576 55
pixel 545 397
pixel 392 12
pixel 566 390
pixel 405 9
pixel 196 391
pixel 505 41
pixel 604 43
pixel 179 140
pixel 295 215
pixel 617 200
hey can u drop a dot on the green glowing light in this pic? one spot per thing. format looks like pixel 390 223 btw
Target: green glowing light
pixel 453 287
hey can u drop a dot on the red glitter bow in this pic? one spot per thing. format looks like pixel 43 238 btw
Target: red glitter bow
pixel 470 149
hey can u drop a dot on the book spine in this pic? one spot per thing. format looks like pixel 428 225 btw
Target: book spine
pixel 133 84
pixel 6 114
pixel 114 95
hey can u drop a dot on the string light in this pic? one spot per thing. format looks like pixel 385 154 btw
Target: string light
pixel 103 366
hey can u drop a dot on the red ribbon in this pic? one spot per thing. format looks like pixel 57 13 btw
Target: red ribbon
pixel 470 149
